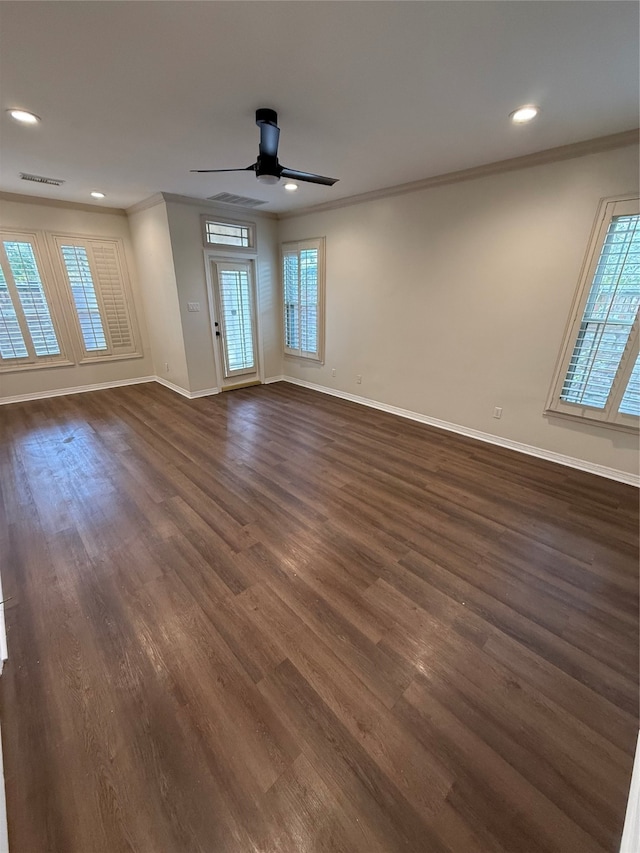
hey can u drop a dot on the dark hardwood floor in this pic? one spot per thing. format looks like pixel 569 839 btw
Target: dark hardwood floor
pixel 276 622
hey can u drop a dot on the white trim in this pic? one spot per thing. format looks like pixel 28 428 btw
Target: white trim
pixel 78 389
pixel 145 204
pixel 190 395
pixel 99 386
pixel 206 392
pixel 21 198
pixel 530 450
pixel 272 379
pixel 631 833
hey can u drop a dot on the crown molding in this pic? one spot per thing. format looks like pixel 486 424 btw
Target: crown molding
pixel 146 203
pixel 54 202
pixel 538 158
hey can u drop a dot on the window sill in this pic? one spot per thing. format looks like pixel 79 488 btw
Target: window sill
pixel 303 358
pixel 96 359
pixel 17 368
pixel 585 419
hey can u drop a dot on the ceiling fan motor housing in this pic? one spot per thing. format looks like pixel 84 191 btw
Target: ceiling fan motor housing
pixel 266 116
pixel 268 166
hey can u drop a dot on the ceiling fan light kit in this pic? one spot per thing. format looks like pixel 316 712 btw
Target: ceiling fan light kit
pixel 267 167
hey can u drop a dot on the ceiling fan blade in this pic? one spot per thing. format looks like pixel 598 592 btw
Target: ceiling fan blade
pixel 269 136
pixel 251 168
pixel 307 176
pixel 267 121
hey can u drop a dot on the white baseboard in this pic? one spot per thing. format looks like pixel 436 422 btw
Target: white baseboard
pixel 80 389
pixel 190 395
pixel 207 392
pixel 489 438
pixel 99 386
pixel 274 379
pixel 631 833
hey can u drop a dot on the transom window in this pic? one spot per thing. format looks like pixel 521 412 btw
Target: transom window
pixel 228 233
pixel 599 375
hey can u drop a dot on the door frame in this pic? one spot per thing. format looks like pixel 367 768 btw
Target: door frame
pixel 215 257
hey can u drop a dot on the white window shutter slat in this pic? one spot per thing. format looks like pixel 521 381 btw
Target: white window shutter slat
pixel 113 296
pixel 12 343
pixel 33 301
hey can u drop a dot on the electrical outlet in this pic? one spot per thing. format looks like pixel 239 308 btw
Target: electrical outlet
pixel 333 371
pixel 497 412
pixel 359 379
pixel 166 366
pixel 193 306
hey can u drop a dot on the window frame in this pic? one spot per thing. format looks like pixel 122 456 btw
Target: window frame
pixel 84 356
pixel 318 243
pixel 52 297
pixel 233 223
pixel 609 416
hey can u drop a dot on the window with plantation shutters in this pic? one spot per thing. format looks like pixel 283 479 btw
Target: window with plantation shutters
pixel 599 375
pixel 97 285
pixel 303 298
pixel 42 304
pixel 29 333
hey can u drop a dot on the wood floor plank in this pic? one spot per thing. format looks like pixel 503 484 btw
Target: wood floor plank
pixel 273 621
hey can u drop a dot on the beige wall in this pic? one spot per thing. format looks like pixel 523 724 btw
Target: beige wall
pixel 44 217
pixel 453 300
pixel 189 264
pixel 152 245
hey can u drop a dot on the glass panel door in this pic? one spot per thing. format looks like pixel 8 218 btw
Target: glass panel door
pixel 235 329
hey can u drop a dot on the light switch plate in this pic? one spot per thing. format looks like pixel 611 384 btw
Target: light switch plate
pixel 193 306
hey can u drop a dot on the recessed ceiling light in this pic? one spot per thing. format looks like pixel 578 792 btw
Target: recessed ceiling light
pixel 97 195
pixel 291 187
pixel 524 114
pixel 24 117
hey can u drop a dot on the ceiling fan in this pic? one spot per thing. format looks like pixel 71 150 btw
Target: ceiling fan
pixel 267 168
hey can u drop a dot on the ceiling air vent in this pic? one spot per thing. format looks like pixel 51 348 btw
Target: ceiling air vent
pixel 241 200
pixel 40 179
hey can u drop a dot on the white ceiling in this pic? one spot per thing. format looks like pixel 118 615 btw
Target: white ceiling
pixel 134 94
